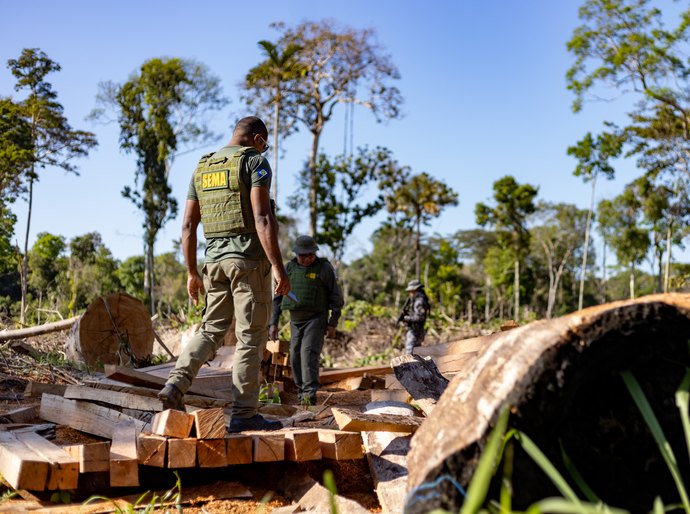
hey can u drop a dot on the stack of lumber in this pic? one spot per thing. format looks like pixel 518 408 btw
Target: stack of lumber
pixel 275 365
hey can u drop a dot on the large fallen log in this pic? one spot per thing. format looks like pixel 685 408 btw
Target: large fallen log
pixel 562 379
pixel 47 328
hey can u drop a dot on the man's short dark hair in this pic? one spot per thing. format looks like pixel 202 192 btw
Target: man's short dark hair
pixel 249 126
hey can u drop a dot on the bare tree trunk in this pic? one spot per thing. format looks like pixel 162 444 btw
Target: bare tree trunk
pixel 313 182
pixel 417 247
pixel 603 275
pixel 516 287
pixel 469 312
pixel 632 281
pixel 276 113
pixel 149 279
pixel 25 259
pixel 667 267
pixel 584 254
pixel 487 304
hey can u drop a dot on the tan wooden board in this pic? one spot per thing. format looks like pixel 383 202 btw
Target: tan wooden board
pixel 63 470
pixel 341 445
pixel 278 346
pixel 238 449
pixel 172 423
pixel 87 417
pixel 209 423
pixel 302 445
pixel 21 466
pixel 334 375
pixel 268 446
pixel 119 399
pixel 124 463
pixel 92 457
pixel 22 414
pixel 351 420
pixel 182 453
pixel 36 389
pixel 211 453
pixel 152 450
pixel 386 454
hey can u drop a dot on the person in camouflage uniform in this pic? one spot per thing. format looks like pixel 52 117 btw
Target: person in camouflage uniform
pixel 229 196
pixel 414 315
pixel 316 292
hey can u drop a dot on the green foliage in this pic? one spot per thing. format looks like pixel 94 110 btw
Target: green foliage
pixel 269 393
pixel 329 482
pixel 375 359
pixel 356 311
pixel 61 497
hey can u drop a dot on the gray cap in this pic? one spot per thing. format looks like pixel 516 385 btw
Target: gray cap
pixel 413 285
pixel 304 245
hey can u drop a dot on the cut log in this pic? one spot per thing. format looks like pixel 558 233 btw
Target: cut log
pixel 562 380
pixel 124 463
pixel 387 456
pixel 151 450
pixel 302 445
pixel 211 453
pixel 421 378
pixel 172 423
pixel 182 453
pixel 238 449
pixel 92 457
pixel 115 329
pixel 338 445
pixel 22 333
pixel 268 447
pixel 357 421
pixel 209 423
pixel 63 471
pixel 125 400
pixel 87 417
pixel 21 466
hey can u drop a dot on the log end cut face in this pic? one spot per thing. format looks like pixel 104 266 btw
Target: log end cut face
pixel 563 381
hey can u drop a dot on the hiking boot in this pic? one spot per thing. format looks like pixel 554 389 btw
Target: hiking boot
pixel 172 398
pixel 256 422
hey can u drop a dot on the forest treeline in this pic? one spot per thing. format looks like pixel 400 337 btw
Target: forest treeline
pixel 528 258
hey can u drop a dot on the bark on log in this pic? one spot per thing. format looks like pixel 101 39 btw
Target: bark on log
pixel 421 378
pixel 115 329
pixel 562 380
pixel 21 333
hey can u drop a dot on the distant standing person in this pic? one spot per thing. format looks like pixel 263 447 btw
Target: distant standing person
pixel 414 314
pixel 316 293
pixel 229 196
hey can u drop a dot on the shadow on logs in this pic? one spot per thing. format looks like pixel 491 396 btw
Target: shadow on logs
pixel 562 379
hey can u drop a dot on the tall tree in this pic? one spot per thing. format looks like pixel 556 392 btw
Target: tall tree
pixel 621 220
pixel 162 109
pixel 593 159
pixel 513 203
pixel 343 182
pixel 420 198
pixel 557 236
pixel 337 65
pixel 53 141
pixel 92 270
pixel 271 74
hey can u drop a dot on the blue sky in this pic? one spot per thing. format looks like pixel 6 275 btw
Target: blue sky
pixel 483 83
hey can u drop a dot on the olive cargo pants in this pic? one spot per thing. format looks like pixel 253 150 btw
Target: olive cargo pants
pixel 241 288
pixel 306 341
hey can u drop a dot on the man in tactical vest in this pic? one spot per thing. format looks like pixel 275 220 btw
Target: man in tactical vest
pixel 414 314
pixel 316 292
pixel 229 196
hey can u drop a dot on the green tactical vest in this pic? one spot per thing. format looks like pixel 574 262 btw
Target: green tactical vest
pixel 223 196
pixel 308 287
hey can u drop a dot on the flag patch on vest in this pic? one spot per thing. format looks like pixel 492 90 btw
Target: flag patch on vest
pixel 262 173
pixel 312 276
pixel 214 180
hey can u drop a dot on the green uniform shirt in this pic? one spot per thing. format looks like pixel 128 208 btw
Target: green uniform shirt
pixel 256 172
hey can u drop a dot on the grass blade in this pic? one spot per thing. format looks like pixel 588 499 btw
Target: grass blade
pixel 577 477
pixel 658 506
pixel 563 506
pixel 545 464
pixel 479 485
pixel 683 402
pixel 657 432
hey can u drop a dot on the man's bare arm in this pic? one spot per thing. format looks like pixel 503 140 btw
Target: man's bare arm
pixel 190 222
pixel 267 230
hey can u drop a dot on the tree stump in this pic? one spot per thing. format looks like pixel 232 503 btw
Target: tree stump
pixel 562 379
pixel 115 329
